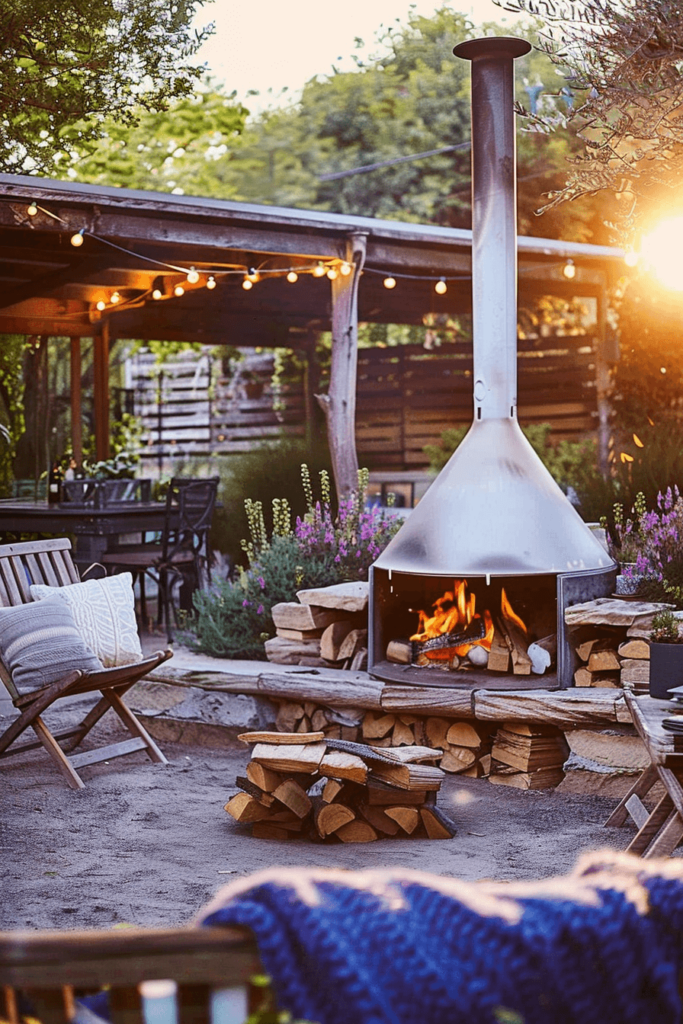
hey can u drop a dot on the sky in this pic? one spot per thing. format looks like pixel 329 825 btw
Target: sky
pixel 275 45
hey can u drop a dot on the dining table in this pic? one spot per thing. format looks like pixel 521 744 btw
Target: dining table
pixel 95 530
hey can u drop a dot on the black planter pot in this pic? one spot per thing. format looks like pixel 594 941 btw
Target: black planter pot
pixel 666 669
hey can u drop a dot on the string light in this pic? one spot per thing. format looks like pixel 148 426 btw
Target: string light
pixel 345 268
pixel 389 282
pixel 178 290
pixel 247 284
pixel 252 276
pixel 192 276
pixel 292 277
pixel 569 270
pixel 332 274
pixel 319 270
pixel 114 298
pixel 77 239
pixel 441 287
pixel 631 259
pixel 157 294
pixel 211 283
pixel 101 305
pixel 32 210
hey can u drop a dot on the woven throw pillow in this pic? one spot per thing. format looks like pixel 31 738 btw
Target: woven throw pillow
pixel 39 644
pixel 104 611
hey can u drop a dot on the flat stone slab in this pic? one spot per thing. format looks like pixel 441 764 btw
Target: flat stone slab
pixel 348 597
pixel 610 611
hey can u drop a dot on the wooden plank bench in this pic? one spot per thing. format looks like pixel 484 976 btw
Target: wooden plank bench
pixel 191 975
pixel 661 830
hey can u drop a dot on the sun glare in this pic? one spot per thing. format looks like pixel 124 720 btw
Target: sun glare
pixel 662 250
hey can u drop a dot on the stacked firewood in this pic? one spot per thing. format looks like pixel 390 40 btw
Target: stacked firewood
pixel 307 716
pixel 528 756
pixel 327 627
pixel 600 662
pixel 466 745
pixel 322 789
pixel 510 651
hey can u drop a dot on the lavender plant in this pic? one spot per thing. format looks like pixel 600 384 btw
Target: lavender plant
pixel 660 558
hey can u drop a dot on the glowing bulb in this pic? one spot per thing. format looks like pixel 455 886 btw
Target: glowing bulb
pixel 101 305
pixel 441 287
pixel 247 284
pixel 114 298
pixel 389 282
pixel 631 259
pixel 569 270
pixel 192 276
pixel 319 270
pixel 252 276
pixel 346 269
pixel 157 294
pixel 332 274
pixel 32 210
pixel 77 239
pixel 292 276
pixel 178 290
pixel 211 283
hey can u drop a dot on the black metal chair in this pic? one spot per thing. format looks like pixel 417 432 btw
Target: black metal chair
pixel 182 551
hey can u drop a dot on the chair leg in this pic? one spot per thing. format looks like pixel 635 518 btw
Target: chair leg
pixel 134 727
pixel 36 708
pixel 57 754
pixel 93 717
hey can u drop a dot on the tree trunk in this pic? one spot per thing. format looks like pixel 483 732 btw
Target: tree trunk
pixel 339 404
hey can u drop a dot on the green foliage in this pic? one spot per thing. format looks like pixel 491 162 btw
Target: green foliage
pixel 11 407
pixel 665 629
pixel 66 66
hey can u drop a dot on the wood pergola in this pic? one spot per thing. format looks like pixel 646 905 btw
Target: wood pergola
pixel 137 248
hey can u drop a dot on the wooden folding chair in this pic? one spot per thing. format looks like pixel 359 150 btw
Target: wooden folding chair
pixel 49 562
pixel 189 975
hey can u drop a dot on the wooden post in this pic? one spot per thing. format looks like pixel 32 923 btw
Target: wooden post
pixel 606 355
pixel 101 391
pixel 339 404
pixel 76 424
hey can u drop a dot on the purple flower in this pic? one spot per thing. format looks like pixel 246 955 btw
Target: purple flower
pixel 246 604
pixel 261 583
pixel 259 610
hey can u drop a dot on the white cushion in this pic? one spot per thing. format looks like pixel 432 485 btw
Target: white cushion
pixel 104 613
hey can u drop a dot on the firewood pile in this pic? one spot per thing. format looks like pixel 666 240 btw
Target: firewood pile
pixel 335 790
pixel 528 756
pixel 325 628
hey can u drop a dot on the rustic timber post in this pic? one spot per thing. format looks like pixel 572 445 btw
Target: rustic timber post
pixel 607 353
pixel 101 391
pixel 339 404
pixel 76 424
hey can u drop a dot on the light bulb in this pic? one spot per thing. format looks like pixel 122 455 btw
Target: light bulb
pixel 252 276
pixel 157 294
pixel 114 298
pixel 178 290
pixel 319 270
pixel 292 276
pixel 332 274
pixel 77 239
pixel 32 210
pixel 247 284
pixel 211 283
pixel 346 268
pixel 631 259
pixel 389 282
pixel 101 305
pixel 192 276
pixel 441 287
pixel 569 270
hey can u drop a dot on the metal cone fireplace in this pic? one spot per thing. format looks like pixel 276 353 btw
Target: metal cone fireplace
pixel 494 517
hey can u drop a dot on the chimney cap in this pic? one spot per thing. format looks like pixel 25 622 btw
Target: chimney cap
pixel 492 46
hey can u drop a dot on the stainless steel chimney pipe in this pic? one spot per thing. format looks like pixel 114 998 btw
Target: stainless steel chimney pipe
pixel 494 223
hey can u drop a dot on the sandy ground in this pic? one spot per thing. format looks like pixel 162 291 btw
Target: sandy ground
pixel 149 844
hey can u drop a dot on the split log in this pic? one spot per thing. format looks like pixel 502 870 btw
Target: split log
pixel 359 662
pixel 332 789
pixel 330 817
pixel 409 776
pixel 377 726
pixel 247 786
pixel 299 634
pixel 302 757
pixel 244 808
pixel 264 778
pixel 289 714
pixel 333 638
pixel 604 657
pixel 356 832
pixel 636 649
pixel 467 634
pixel 407 818
pixel 350 733
pixel 319 720
pixel 463 734
pixel 402 735
pixel 542 654
pixel 292 615
pixel 517 644
pixel 457 759
pixel 379 820
pixel 294 797
pixel 584 677
pixel 635 670
pixel 303 728
pixel 485 763
pixel 285 819
pixel 379 795
pixel 333 731
pixel 400 652
pixel 499 655
pixel 352 643
pixel 288 652
pixel 264 830
pixel 437 731
pixel 280 738
pixel 545 778
pixel 436 824
pixel 339 765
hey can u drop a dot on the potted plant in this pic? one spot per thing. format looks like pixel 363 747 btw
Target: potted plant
pixel 666 654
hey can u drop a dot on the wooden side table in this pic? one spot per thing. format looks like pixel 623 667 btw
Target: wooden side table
pixel 661 830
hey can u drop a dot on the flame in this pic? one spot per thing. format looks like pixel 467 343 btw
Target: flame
pixel 454 610
pixel 508 611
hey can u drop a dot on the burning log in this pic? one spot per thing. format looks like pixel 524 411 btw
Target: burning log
pixel 475 631
pixel 516 641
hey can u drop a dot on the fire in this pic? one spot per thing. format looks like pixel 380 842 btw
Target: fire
pixel 452 613
pixel 508 611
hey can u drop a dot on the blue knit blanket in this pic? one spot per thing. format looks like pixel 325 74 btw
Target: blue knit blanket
pixel 402 947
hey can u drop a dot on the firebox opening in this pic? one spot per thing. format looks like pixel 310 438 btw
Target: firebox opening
pixel 447 631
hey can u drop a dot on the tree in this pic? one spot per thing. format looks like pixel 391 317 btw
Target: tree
pixel 622 62
pixel 67 66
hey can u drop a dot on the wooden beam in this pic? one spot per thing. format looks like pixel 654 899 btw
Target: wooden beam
pixel 339 404
pixel 77 271
pixel 76 424
pixel 101 391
